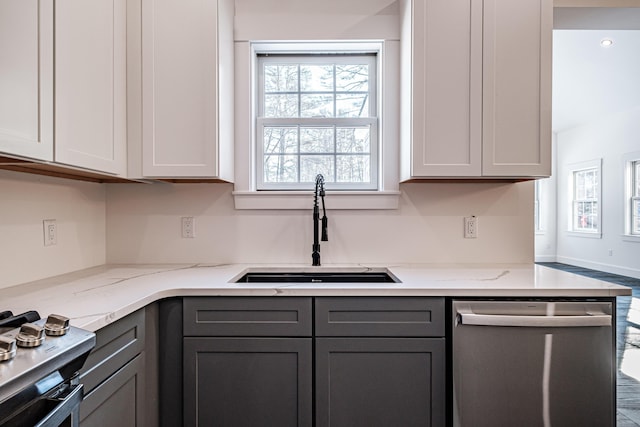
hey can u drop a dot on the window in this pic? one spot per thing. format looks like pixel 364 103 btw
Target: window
pixel 586 197
pixel 316 113
pixel 632 194
pixel 343 123
pixel 536 207
pixel 635 198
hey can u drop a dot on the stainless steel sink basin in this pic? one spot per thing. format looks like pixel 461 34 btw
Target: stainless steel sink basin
pixel 268 276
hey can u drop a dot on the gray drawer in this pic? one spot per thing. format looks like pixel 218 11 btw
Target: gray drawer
pixel 116 345
pixel 379 317
pixel 247 316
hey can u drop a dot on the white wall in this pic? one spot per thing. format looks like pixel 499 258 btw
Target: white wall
pixel 608 139
pixel 545 238
pixel 79 211
pixel 143 223
pixel 316 20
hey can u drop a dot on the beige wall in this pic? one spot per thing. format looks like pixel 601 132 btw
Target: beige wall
pixel 143 223
pixel 79 211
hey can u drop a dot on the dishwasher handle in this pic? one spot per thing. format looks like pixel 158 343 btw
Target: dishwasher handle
pixel 468 317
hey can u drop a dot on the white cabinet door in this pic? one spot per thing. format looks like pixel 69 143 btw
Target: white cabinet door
pixel 517 88
pixel 187 88
pixel 26 78
pixel 478 101
pixel 90 78
pixel 446 76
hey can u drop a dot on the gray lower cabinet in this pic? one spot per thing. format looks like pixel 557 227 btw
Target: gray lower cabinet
pixel 247 362
pixel 116 401
pixel 380 362
pixel 339 362
pixel 114 375
pixel 380 382
pixel 246 382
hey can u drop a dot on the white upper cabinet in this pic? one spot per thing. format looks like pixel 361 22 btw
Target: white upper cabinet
pixel 90 80
pixel 26 78
pixel 63 82
pixel 476 88
pixel 187 89
pixel 517 52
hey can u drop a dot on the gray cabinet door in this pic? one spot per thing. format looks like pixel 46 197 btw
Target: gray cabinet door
pixel 379 317
pixel 381 382
pixel 118 401
pixel 247 317
pixel 238 382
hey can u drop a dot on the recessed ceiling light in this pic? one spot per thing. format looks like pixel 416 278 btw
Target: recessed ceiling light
pixel 606 42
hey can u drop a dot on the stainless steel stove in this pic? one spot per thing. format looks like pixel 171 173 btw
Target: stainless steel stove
pixel 39 363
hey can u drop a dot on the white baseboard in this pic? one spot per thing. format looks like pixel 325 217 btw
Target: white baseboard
pixel 545 258
pixel 608 268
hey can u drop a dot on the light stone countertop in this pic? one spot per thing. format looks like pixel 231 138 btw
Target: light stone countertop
pixel 97 296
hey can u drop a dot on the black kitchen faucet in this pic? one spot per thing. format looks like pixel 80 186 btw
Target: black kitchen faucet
pixel 316 217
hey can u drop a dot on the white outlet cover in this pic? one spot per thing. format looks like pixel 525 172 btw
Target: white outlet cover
pixel 50 232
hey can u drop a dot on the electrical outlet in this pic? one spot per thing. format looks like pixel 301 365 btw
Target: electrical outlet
pixel 50 232
pixel 188 227
pixel 470 227
pixel 610 252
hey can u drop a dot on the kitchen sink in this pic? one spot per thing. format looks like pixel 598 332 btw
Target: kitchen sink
pixel 368 276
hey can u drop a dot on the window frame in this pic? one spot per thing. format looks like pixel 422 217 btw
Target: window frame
pixel 388 194
pixel 631 166
pixel 538 225
pixel 575 168
pixel 635 199
pixel 365 57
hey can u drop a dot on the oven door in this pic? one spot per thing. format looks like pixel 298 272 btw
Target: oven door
pixel 57 407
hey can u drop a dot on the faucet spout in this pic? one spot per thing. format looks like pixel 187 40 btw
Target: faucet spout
pixel 319 192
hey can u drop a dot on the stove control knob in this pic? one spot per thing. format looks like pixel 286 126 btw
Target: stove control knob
pixel 7 348
pixel 30 335
pixel 56 325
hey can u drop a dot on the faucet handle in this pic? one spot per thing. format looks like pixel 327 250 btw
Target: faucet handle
pixel 325 236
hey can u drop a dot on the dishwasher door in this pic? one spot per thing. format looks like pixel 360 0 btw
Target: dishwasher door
pixel 533 363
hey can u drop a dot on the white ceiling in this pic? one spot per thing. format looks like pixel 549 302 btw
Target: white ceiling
pixel 590 81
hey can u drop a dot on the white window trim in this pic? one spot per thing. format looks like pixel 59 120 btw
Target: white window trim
pixel 387 196
pixel 627 160
pixel 540 225
pixel 575 167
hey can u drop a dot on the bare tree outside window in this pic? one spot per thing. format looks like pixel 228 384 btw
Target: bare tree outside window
pixel 317 114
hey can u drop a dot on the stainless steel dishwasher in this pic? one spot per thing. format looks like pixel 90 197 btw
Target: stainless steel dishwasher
pixel 533 363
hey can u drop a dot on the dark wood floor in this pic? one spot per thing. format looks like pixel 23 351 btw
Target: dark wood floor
pixel 628 343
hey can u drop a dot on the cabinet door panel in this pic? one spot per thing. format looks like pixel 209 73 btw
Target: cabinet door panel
pixel 26 78
pixel 187 88
pixel 246 316
pixel 381 317
pixel 517 88
pixel 118 400
pixel 239 382
pixel 447 85
pixel 116 344
pixel 383 382
pixel 90 100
